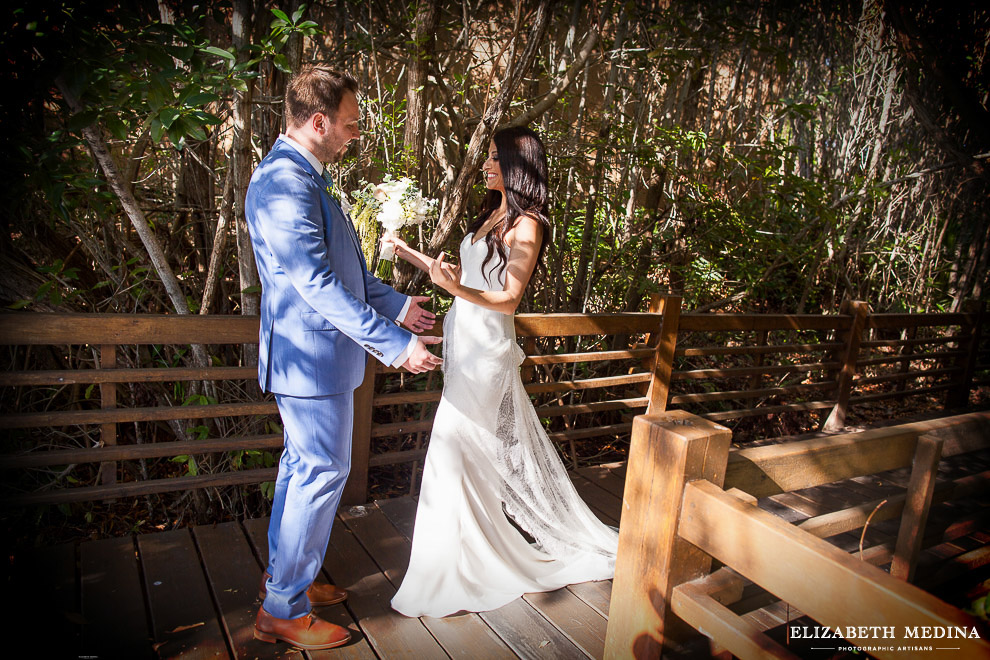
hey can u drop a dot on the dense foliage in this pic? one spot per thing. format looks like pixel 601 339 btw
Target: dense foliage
pixel 756 155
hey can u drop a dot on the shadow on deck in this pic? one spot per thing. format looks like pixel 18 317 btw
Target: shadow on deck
pixel 193 592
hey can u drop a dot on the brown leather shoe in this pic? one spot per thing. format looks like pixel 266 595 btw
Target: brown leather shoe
pixel 307 632
pixel 320 593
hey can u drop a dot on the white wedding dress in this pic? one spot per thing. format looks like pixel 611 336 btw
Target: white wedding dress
pixel 490 458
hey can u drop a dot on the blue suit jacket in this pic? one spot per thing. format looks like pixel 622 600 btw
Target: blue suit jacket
pixel 321 311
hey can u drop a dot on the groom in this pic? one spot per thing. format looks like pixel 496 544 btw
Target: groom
pixel 322 313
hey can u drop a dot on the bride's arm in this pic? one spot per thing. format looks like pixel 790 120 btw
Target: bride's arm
pixel 402 250
pixel 524 240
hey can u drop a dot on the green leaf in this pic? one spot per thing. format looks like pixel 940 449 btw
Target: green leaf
pixel 81 120
pixel 20 304
pixel 282 63
pixel 219 52
pixel 168 116
pixel 282 15
pixel 117 127
pixel 201 99
pixel 297 14
pixel 251 289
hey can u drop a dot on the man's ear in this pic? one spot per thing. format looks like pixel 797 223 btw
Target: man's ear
pixel 319 122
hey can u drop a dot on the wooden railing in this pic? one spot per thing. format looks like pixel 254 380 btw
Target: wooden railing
pixel 115 390
pixel 688 500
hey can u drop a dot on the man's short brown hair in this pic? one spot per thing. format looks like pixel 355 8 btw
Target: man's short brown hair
pixel 316 88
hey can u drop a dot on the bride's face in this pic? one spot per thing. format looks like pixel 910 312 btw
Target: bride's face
pixel 492 171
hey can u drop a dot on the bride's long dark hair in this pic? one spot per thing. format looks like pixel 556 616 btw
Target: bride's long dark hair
pixel 522 159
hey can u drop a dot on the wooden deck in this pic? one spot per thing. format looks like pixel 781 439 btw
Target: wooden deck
pixel 193 592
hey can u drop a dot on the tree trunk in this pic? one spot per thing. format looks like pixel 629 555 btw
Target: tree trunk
pixel 241 163
pixel 424 38
pixel 455 202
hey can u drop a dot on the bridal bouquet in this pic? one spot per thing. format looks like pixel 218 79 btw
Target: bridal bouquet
pixel 393 204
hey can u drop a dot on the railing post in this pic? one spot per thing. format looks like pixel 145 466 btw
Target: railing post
pixel 663 364
pixel 108 399
pixel 920 489
pixel 668 450
pixel 859 311
pixel 958 397
pixel 356 489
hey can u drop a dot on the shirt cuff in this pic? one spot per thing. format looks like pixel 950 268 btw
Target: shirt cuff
pixel 405 310
pixel 404 355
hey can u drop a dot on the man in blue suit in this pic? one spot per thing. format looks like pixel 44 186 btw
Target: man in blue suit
pixel 322 313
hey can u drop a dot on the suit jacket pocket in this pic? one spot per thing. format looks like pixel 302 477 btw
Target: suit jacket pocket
pixel 316 321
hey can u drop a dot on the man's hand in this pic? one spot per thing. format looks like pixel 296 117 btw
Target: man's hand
pixel 418 319
pixel 422 359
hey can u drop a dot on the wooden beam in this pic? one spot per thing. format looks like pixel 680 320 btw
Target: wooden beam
pixel 34 328
pixel 773 469
pixel 732 531
pixel 356 488
pixel 108 401
pixel 859 311
pixel 917 504
pixel 663 366
pixel 149 414
pixel 737 635
pixel 668 450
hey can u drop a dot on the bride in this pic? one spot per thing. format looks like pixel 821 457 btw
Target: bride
pixel 489 459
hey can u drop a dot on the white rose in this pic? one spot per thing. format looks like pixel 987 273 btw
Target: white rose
pixel 391 215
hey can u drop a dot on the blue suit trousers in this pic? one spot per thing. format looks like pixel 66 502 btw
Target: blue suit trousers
pixel 311 476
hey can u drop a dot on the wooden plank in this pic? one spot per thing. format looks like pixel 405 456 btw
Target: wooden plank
pixel 766 410
pixel 571 325
pixel 256 530
pixel 356 487
pixel 596 356
pixel 881 600
pixel 740 372
pixel 108 400
pixel 770 469
pixel 528 634
pixel 587 383
pixel 740 395
pixel 183 621
pixel 401 512
pixel 390 634
pixel 758 349
pixel 663 365
pixel 115 622
pixel 596 406
pixel 910 341
pixel 910 357
pixel 917 504
pixel 128 375
pixel 465 636
pixel 604 504
pixel 731 632
pixel 136 488
pixel 577 620
pixel 898 321
pixel 724 322
pixel 603 477
pixel 134 452
pixel 667 451
pixel 233 573
pixel 598 594
pixel 34 328
pixel 148 414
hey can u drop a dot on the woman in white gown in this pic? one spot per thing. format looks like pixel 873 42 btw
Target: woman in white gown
pixel 489 458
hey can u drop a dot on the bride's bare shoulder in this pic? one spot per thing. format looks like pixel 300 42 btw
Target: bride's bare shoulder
pixel 527 228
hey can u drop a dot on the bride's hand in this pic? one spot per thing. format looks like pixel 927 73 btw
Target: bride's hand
pixel 446 276
pixel 397 243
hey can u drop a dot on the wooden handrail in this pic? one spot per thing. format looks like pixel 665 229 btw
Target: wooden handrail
pixel 687 501
pixel 657 366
